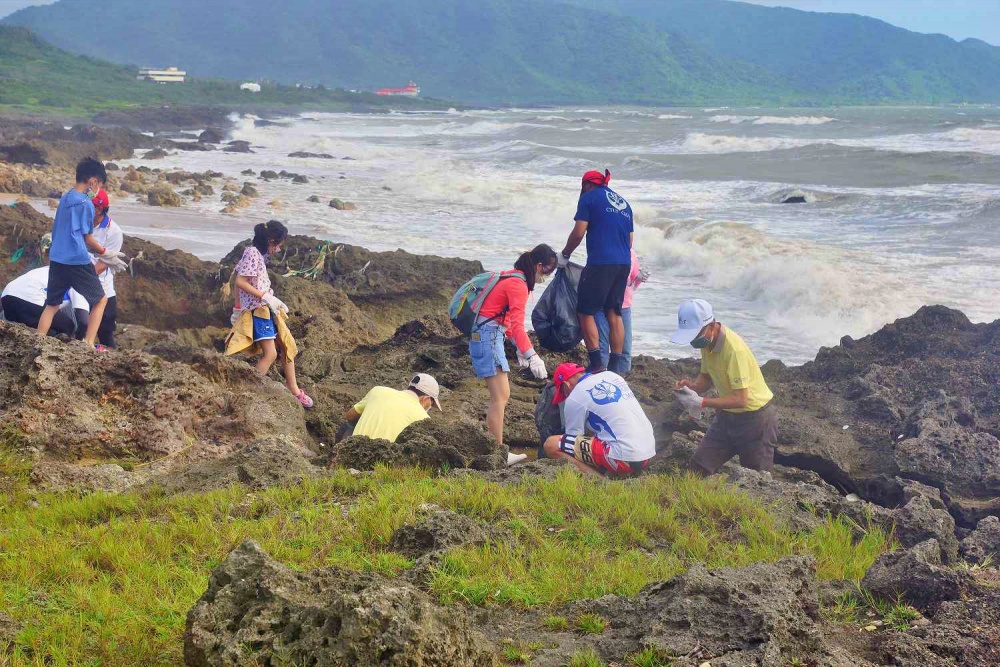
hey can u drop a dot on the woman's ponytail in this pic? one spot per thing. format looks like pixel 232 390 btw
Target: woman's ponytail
pixel 263 233
pixel 541 254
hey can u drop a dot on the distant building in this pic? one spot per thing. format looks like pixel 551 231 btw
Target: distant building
pixel 169 75
pixel 411 90
pixel 252 87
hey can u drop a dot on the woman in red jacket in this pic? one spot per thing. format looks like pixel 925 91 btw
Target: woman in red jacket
pixel 502 315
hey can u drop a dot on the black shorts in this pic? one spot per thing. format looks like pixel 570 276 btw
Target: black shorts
pixel 27 313
pixel 602 287
pixel 80 277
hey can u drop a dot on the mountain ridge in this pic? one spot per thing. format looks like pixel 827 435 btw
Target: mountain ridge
pixel 668 52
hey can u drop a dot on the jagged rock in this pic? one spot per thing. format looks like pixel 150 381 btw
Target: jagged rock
pixel 314 199
pixel 212 136
pixel 163 196
pixel 191 146
pixel 341 205
pixel 257 610
pixel 248 172
pixel 269 175
pixel 918 521
pixel 911 489
pixel 427 443
pixel 942 446
pixel 249 191
pixel 8 631
pixel 917 575
pixel 324 156
pixel 272 461
pixel 61 477
pixel 133 405
pixel 155 154
pixel 300 179
pixel 238 147
pixel 763 613
pixel 983 542
pixel 34 188
pixel 438 530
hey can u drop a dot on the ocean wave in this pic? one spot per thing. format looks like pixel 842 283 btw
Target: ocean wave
pixel 699 142
pixel 772 120
pixel 810 288
pixel 672 116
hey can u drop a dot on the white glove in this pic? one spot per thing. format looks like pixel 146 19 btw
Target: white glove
pixel 562 261
pixel 523 359
pixel 642 277
pixel 114 260
pixel 537 367
pixel 691 402
pixel 235 316
pixel 274 303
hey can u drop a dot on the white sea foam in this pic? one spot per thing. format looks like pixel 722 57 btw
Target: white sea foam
pixel 699 142
pixel 672 116
pixel 772 120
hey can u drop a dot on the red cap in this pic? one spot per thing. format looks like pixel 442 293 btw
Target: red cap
pixel 101 200
pixel 564 372
pixel 597 178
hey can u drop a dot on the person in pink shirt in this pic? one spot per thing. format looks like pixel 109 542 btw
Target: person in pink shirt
pixel 636 277
pixel 502 316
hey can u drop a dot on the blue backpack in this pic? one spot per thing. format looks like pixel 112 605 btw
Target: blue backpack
pixel 468 300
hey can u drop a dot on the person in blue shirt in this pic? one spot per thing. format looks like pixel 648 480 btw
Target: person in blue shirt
pixel 69 260
pixel 605 219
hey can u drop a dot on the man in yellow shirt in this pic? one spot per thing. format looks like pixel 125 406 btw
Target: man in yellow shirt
pixel 745 422
pixel 384 412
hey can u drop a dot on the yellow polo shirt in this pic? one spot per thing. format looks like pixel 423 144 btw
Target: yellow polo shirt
pixel 385 412
pixel 732 366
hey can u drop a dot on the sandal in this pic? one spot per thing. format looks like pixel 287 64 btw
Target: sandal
pixel 303 398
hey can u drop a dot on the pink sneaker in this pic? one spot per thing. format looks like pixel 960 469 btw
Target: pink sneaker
pixel 304 399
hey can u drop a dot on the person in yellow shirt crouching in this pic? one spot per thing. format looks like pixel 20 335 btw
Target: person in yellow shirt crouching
pixel 745 422
pixel 384 412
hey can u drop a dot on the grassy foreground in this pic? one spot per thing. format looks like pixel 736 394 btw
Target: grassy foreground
pixel 108 579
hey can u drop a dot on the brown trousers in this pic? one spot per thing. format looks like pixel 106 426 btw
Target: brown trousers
pixel 752 436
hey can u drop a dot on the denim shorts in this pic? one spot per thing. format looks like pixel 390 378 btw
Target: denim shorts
pixel 487 352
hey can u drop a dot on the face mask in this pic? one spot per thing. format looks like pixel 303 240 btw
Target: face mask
pixel 701 342
pixel 92 191
pixel 540 278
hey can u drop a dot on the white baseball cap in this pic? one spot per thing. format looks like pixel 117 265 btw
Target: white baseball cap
pixel 427 386
pixel 692 316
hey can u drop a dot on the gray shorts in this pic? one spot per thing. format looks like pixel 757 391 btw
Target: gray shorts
pixel 752 436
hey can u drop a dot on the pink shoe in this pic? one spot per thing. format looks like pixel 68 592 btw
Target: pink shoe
pixel 303 398
pixel 101 348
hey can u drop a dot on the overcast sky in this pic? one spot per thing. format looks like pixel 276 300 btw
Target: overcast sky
pixel 957 18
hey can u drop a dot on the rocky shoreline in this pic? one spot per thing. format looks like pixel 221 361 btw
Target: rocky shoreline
pixel 898 429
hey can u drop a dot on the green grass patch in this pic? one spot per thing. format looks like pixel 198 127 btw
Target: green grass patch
pixel 585 658
pixel 651 657
pixel 108 579
pixel 591 624
pixel 556 623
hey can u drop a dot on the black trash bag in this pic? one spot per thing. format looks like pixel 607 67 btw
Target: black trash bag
pixel 554 317
pixel 548 417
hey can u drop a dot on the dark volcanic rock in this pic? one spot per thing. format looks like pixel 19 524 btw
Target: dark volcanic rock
pixel 269 175
pixel 983 542
pixel 438 530
pixel 300 179
pixel 166 118
pixel 915 574
pixel 257 610
pixel 324 156
pixel 314 199
pixel 238 147
pixel 918 521
pixel 155 154
pixel 212 135
pixel 427 444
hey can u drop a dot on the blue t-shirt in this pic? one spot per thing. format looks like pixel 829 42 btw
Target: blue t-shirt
pixel 74 219
pixel 609 223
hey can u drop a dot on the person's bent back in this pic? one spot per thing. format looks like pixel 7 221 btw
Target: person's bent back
pixel 385 412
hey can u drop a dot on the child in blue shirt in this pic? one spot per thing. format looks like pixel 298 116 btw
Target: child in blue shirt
pixel 69 262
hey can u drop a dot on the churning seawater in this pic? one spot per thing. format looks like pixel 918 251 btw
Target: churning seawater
pixel 902 204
